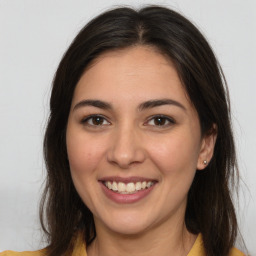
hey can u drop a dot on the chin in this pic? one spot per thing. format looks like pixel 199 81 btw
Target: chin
pixel 129 224
pixel 129 230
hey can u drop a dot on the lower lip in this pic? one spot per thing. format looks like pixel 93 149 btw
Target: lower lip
pixel 126 198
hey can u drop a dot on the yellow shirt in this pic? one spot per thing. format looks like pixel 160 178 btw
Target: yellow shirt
pixel 80 250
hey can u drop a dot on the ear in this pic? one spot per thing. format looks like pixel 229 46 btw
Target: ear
pixel 207 148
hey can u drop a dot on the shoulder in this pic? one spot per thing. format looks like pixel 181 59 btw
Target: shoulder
pixel 198 249
pixel 79 250
pixel 27 253
pixel 235 252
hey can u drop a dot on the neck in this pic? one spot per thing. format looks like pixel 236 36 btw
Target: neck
pixel 162 240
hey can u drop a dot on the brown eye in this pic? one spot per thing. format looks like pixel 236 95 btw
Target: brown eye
pixel 95 121
pixel 160 121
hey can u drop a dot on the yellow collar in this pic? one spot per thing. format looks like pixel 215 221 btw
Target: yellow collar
pixel 197 249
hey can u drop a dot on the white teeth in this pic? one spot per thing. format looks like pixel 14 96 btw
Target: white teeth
pixel 138 186
pixel 121 187
pixel 114 186
pixel 109 185
pixel 128 188
pixel 149 184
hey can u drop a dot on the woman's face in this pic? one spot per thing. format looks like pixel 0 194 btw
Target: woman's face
pixel 134 141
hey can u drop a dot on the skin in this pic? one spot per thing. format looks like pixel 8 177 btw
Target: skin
pixel 129 141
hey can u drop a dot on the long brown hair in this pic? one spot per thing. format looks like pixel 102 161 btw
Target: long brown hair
pixel 210 210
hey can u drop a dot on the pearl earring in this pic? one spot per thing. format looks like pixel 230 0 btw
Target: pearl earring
pixel 205 162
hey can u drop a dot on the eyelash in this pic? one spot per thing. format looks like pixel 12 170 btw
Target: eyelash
pixel 86 121
pixel 163 118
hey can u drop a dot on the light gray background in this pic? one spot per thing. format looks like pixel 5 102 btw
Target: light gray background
pixel 33 36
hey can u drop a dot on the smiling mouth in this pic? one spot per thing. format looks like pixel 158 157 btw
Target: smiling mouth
pixel 128 188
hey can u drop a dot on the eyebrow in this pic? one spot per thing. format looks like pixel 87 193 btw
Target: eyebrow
pixel 94 103
pixel 145 105
pixel 158 103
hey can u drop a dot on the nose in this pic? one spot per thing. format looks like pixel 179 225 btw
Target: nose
pixel 126 148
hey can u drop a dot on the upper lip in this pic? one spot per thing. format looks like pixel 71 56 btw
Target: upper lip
pixel 126 179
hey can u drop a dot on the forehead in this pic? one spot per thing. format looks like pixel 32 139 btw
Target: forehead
pixel 138 72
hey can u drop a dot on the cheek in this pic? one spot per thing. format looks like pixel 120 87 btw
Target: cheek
pixel 175 159
pixel 84 153
pixel 176 154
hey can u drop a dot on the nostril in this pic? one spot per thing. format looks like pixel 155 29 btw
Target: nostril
pixel 126 148
pixel 125 161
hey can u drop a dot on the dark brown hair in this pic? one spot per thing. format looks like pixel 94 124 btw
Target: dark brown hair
pixel 210 209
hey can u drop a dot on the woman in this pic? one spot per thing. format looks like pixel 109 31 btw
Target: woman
pixel 139 147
